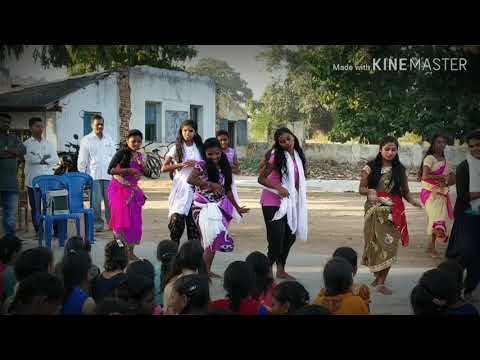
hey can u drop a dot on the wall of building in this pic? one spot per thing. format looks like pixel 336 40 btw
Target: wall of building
pixel 410 155
pixel 176 91
pixel 101 97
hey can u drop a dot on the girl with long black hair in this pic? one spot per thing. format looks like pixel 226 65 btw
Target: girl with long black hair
pixel 180 160
pixel 214 205
pixel 384 182
pixel 284 202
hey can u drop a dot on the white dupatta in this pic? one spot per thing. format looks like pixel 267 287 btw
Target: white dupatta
pixel 181 197
pixel 294 206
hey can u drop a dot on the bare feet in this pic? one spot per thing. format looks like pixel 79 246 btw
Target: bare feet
pixel 211 274
pixel 382 289
pixel 284 275
pixel 433 253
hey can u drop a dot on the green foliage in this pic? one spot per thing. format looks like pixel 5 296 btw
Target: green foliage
pixel 81 59
pixel 226 78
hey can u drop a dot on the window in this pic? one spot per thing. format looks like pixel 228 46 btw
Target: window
pixel 173 119
pixel 153 124
pixel 242 137
pixel 196 115
pixel 87 121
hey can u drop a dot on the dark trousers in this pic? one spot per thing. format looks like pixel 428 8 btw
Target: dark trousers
pixel 177 226
pixel 31 200
pixel 279 236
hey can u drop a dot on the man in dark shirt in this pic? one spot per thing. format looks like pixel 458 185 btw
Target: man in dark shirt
pixel 11 149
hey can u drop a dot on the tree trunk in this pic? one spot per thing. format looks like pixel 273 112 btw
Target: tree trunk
pixel 124 109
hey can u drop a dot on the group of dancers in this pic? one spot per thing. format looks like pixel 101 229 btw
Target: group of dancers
pixel 204 197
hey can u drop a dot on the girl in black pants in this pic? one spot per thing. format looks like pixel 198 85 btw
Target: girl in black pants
pixel 272 170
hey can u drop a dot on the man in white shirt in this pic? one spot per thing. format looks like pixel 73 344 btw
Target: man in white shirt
pixel 96 151
pixel 40 159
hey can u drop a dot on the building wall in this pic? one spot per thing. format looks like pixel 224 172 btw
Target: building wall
pixel 410 155
pixel 101 98
pixel 176 91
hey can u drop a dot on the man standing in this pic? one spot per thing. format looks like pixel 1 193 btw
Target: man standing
pixel 40 159
pixel 96 151
pixel 10 150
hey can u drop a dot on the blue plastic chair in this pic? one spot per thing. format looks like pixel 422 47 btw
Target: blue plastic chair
pixel 42 185
pixel 78 182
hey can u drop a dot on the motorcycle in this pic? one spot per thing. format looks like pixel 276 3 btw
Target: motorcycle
pixel 69 158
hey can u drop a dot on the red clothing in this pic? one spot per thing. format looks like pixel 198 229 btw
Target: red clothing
pixel 247 307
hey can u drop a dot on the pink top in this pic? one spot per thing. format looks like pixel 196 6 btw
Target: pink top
pixel 268 198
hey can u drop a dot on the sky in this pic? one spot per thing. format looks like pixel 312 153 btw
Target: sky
pixel 242 58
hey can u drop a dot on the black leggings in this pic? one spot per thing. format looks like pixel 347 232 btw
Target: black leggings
pixel 279 236
pixel 177 226
pixel 31 200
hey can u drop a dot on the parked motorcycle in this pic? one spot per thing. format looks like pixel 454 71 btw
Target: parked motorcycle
pixel 69 158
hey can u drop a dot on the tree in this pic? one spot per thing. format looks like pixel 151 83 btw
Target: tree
pixel 372 104
pixel 226 78
pixel 80 59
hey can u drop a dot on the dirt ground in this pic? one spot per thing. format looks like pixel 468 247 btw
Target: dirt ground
pixel 335 219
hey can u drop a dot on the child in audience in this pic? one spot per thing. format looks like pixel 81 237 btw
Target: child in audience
pixel 141 267
pixel 338 297
pixel 434 294
pixel 113 306
pixel 116 260
pixel 75 269
pixel 166 251
pixel 288 297
pixel 28 262
pixel 10 247
pixel 238 282
pixel 189 260
pixel 350 255
pixel 460 307
pixel 138 292
pixel 313 310
pixel 264 282
pixel 77 243
pixel 40 293
pixel 191 295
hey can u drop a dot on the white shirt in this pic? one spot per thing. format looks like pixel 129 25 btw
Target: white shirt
pixel 95 155
pixel 36 150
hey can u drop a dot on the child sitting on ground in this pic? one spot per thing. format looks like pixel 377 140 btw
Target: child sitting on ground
pixel 288 297
pixel 435 292
pixel 113 306
pixel 144 268
pixel 116 260
pixel 40 293
pixel 166 251
pixel 238 282
pixel 460 307
pixel 77 243
pixel 189 260
pixel 191 295
pixel 338 297
pixel 350 255
pixel 138 292
pixel 264 282
pixel 75 269
pixel 10 247
pixel 29 262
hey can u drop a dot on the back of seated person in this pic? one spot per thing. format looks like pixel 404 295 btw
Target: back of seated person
pixel 191 295
pixel 338 297
pixel 288 297
pixel 10 247
pixel 76 266
pixel 113 306
pixel 40 293
pixel 116 260
pixel 238 282
pixel 138 292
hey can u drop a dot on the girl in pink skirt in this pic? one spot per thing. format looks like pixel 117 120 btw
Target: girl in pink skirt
pixel 126 197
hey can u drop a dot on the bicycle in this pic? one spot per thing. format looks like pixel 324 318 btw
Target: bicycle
pixel 154 159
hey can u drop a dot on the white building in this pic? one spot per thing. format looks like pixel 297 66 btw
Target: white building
pixel 160 101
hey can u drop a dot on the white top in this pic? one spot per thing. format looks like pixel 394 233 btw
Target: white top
pixel 95 155
pixel 36 150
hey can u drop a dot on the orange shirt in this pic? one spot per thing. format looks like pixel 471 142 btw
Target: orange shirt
pixel 343 304
pixel 361 290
